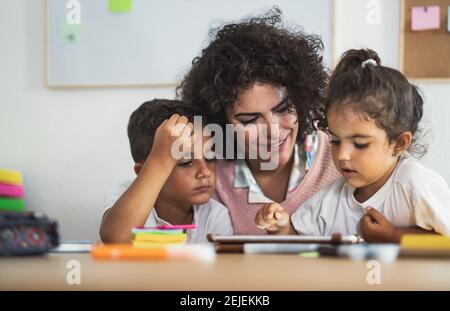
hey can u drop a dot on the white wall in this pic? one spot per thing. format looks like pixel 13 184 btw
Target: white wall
pixel 71 145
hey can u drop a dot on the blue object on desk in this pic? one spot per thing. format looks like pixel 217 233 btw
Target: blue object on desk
pixel 448 19
pixel 278 248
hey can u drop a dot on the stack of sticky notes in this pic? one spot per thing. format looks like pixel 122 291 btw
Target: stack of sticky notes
pixel 11 191
pixel 161 236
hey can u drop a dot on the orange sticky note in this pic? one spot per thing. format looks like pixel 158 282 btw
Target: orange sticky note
pixel 127 251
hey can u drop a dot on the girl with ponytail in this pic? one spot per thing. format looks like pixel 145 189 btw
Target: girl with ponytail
pixel 372 116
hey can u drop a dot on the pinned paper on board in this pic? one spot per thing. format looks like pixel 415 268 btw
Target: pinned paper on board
pixel 70 33
pixel 425 18
pixel 120 6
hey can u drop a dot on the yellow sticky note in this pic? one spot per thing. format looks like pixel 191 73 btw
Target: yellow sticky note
pixel 425 241
pixel 161 238
pixel 150 245
pixel 120 6
pixel 12 177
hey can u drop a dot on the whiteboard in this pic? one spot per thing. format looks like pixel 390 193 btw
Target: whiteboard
pixel 155 42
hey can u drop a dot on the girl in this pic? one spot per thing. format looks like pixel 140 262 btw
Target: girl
pixel 372 117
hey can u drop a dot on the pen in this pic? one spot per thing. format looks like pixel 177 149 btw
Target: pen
pixel 278 248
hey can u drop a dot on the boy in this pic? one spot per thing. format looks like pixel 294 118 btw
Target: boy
pixel 166 190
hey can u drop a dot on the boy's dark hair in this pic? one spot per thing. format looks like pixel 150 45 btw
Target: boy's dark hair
pixel 382 93
pixel 261 50
pixel 145 120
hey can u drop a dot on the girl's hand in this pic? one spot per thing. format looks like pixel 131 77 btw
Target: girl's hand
pixel 272 217
pixel 177 129
pixel 376 228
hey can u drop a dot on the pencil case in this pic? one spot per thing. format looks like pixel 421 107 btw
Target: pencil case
pixel 26 234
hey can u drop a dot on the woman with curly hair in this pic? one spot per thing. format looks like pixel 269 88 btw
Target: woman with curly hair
pixel 259 73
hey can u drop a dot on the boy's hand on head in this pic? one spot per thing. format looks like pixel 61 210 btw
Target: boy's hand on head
pixel 177 129
pixel 272 217
pixel 375 228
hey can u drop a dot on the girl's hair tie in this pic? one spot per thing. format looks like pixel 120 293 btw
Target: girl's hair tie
pixel 369 61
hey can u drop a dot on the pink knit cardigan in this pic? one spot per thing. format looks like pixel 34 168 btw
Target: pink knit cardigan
pixel 242 213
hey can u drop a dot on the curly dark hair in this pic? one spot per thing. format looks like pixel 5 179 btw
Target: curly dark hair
pixel 259 49
pixel 382 93
pixel 145 120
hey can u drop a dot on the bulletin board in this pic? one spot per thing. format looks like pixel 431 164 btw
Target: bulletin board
pixel 153 42
pixel 425 55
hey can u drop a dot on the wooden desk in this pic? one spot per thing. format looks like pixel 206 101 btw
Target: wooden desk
pixel 228 272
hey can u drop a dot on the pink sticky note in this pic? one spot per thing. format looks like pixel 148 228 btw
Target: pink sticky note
pixel 167 227
pixel 15 191
pixel 425 17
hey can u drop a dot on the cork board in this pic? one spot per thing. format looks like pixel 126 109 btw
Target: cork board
pixel 425 54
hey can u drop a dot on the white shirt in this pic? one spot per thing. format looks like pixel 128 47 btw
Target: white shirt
pixel 413 196
pixel 211 217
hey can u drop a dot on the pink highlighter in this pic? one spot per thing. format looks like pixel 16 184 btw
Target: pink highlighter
pixel 168 227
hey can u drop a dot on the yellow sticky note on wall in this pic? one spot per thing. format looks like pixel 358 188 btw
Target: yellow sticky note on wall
pixel 120 6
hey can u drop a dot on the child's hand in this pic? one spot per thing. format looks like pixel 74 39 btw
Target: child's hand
pixel 175 128
pixel 272 217
pixel 376 228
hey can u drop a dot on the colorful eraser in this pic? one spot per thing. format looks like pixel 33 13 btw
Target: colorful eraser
pixel 10 204
pixel 10 177
pixel 14 191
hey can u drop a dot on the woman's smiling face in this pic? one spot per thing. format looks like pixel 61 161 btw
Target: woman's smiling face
pixel 264 116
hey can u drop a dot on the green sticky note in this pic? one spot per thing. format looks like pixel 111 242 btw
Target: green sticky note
pixel 310 255
pixel 11 204
pixel 70 33
pixel 120 6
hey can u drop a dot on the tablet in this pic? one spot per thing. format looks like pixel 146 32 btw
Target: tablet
pixel 240 239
